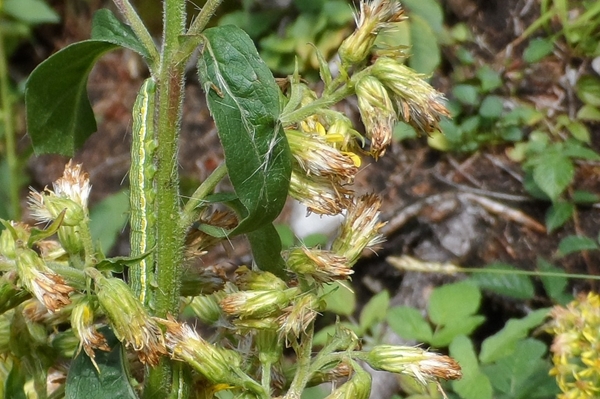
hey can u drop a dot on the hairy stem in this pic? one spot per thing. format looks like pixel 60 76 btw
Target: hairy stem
pixel 190 213
pixel 136 23
pixel 9 134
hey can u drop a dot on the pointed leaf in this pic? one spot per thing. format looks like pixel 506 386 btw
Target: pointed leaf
pixel 558 214
pixel 553 172
pixel 59 115
pixel 504 283
pixel 243 98
pixel 30 11
pixel 453 301
pixel 266 250
pixel 109 382
pixel 571 244
pixel 409 323
pixel 38 235
pixel 107 28
pixel 504 342
pixel 374 311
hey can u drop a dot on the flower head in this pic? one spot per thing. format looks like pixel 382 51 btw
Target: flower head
pixel 129 319
pixel 576 330
pixel 416 362
pixel 48 287
pixel 360 229
pixel 373 17
pixel 297 317
pixel 357 387
pixel 319 265
pixel 377 113
pixel 417 102
pixel 319 194
pixel 82 320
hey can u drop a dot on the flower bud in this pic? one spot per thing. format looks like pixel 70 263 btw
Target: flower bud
pixel 416 362
pixel 247 280
pixel 418 103
pixel 254 304
pixel 319 265
pixel 360 229
pixel 357 387
pixel 320 195
pixel 373 17
pixel 82 321
pixel 297 317
pixel 48 287
pixel 129 319
pixel 206 308
pixel 377 113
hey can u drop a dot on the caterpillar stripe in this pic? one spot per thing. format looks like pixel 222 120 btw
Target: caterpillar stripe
pixel 143 191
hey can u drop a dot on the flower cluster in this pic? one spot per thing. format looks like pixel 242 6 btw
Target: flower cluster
pixel 576 330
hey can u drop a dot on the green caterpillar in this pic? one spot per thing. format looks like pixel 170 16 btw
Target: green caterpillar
pixel 143 191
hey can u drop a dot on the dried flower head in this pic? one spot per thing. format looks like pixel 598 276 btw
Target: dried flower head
pixel 297 317
pixel 315 157
pixel 377 113
pixel 417 102
pixel 357 387
pixel 70 194
pixel 319 265
pixel 373 17
pixel 48 287
pixel 129 319
pixel 320 195
pixel 82 320
pixel 575 348
pixel 217 365
pixel 257 304
pixel 360 229
pixel 420 364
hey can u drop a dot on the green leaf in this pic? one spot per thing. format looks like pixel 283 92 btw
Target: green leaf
pixel 588 90
pixel 452 302
pixel 490 79
pixel 266 250
pixel 340 299
pixel 574 149
pixel 579 131
pixel 59 115
pixel 505 283
pixel 491 107
pixel 110 381
pixel 117 263
pixel 588 113
pixel 14 385
pixel 458 326
pixel 585 197
pixel 31 12
pixel 558 214
pixel 520 377
pixel 38 235
pixel 554 286
pixel 504 342
pixel 286 235
pixel 374 311
pixel 427 10
pixel 572 243
pixel 425 53
pixel 538 49
pixel 553 173
pixel 409 323
pixel 107 219
pixel 107 28
pixel 466 94
pixel 473 384
pixel 243 98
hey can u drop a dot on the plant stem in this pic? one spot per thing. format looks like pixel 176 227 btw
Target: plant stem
pixel 170 237
pixel 189 213
pixel 136 23
pixel 303 358
pixel 9 134
pixel 192 36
